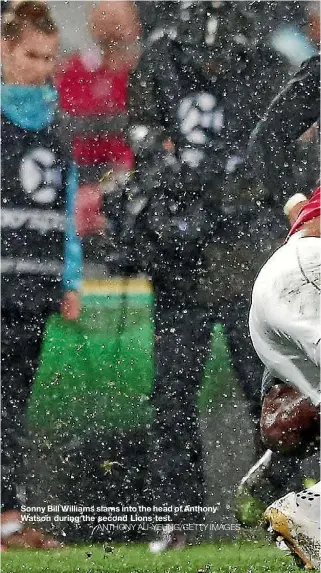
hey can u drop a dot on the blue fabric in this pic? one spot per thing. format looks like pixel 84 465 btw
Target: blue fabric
pixel 72 274
pixel 29 107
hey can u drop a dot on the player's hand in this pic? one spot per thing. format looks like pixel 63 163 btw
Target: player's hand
pixel 89 219
pixel 70 306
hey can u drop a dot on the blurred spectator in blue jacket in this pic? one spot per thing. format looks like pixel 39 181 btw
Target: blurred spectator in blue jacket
pixel 40 252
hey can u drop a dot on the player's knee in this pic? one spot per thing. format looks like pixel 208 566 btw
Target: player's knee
pixel 288 420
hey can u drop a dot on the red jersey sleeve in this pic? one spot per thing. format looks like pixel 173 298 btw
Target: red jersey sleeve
pixel 310 211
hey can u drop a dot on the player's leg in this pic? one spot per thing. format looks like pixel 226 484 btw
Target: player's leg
pixel 20 350
pixel 285 315
pixel 182 339
pixel 291 427
pixel 285 328
pixel 296 518
pixel 273 474
pixel 17 376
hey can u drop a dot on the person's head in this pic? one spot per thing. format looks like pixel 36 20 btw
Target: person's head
pixel 211 32
pixel 29 44
pixel 114 25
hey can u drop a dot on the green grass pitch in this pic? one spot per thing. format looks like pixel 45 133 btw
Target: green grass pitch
pixel 239 557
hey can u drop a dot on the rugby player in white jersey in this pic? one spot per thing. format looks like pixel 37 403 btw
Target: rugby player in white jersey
pixel 285 313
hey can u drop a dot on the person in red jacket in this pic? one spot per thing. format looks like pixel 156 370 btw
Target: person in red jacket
pixel 92 86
